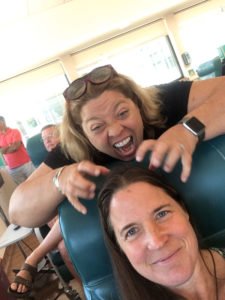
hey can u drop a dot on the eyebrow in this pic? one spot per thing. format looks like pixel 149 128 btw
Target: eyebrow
pixel 114 109
pixel 121 232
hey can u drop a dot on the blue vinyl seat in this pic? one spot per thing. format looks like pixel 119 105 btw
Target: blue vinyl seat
pixel 210 69
pixel 38 153
pixel 204 195
pixel 36 149
pixel 85 244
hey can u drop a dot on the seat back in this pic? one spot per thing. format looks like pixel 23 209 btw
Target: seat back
pixel 204 192
pixel 210 69
pixel 38 153
pixel 36 149
pixel 84 242
pixel 204 195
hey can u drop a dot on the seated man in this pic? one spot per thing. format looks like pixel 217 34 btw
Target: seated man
pixel 22 285
pixel 50 136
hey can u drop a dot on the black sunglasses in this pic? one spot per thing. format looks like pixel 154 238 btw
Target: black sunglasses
pixel 97 76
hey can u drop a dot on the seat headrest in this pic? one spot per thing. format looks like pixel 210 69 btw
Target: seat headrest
pixel 204 192
pixel 36 149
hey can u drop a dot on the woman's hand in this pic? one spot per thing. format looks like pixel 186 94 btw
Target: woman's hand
pixel 73 183
pixel 174 144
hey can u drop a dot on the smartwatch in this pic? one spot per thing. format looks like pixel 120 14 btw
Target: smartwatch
pixel 194 126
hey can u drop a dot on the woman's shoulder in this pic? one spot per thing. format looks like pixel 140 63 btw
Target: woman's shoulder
pixel 178 88
pixel 221 251
pixel 57 158
pixel 174 97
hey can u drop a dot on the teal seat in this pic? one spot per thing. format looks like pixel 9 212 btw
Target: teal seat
pixel 38 153
pixel 204 192
pixel 36 149
pixel 204 195
pixel 210 69
pixel 85 244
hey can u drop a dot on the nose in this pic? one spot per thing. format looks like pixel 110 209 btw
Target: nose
pixel 47 139
pixel 156 237
pixel 114 129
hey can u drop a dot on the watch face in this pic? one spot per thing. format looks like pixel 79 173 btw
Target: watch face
pixel 195 124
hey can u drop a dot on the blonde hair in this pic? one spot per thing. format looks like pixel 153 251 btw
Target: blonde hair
pixel 74 142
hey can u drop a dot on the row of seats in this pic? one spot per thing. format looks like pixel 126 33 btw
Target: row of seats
pixel 211 68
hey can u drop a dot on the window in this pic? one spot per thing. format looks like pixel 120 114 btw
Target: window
pixel 202 32
pixel 149 63
pixel 32 100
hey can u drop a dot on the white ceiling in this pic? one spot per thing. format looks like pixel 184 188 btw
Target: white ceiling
pixel 14 10
pixel 33 32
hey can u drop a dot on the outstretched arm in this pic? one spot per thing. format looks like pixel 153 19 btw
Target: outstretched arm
pixel 34 202
pixel 207 103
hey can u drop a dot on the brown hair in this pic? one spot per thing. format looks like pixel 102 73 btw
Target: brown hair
pixel 132 285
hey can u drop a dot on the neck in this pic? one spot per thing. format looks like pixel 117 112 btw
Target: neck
pixel 202 285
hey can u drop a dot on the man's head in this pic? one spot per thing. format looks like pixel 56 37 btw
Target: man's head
pixel 50 136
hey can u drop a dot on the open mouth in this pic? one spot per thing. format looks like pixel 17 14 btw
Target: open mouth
pixel 123 143
pixel 126 146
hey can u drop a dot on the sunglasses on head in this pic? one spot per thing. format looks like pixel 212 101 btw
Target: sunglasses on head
pixel 97 76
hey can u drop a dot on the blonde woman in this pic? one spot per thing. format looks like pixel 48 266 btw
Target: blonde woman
pixel 108 116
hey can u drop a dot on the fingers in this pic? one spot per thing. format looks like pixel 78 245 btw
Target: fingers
pixel 166 155
pixel 144 148
pixel 91 169
pixel 76 186
pixel 80 188
pixel 77 205
pixel 159 150
pixel 178 152
pixel 186 161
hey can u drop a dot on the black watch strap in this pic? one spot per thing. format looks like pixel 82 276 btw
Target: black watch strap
pixel 195 126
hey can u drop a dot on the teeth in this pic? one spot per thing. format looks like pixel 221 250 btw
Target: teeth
pixel 123 143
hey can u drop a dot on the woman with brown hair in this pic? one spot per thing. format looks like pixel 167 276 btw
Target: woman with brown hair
pixel 154 247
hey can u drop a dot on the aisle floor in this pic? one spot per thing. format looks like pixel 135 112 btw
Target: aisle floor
pixel 47 286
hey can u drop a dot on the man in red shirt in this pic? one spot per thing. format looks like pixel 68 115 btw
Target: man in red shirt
pixel 14 153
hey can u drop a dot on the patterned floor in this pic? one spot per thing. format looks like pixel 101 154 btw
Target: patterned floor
pixel 46 286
